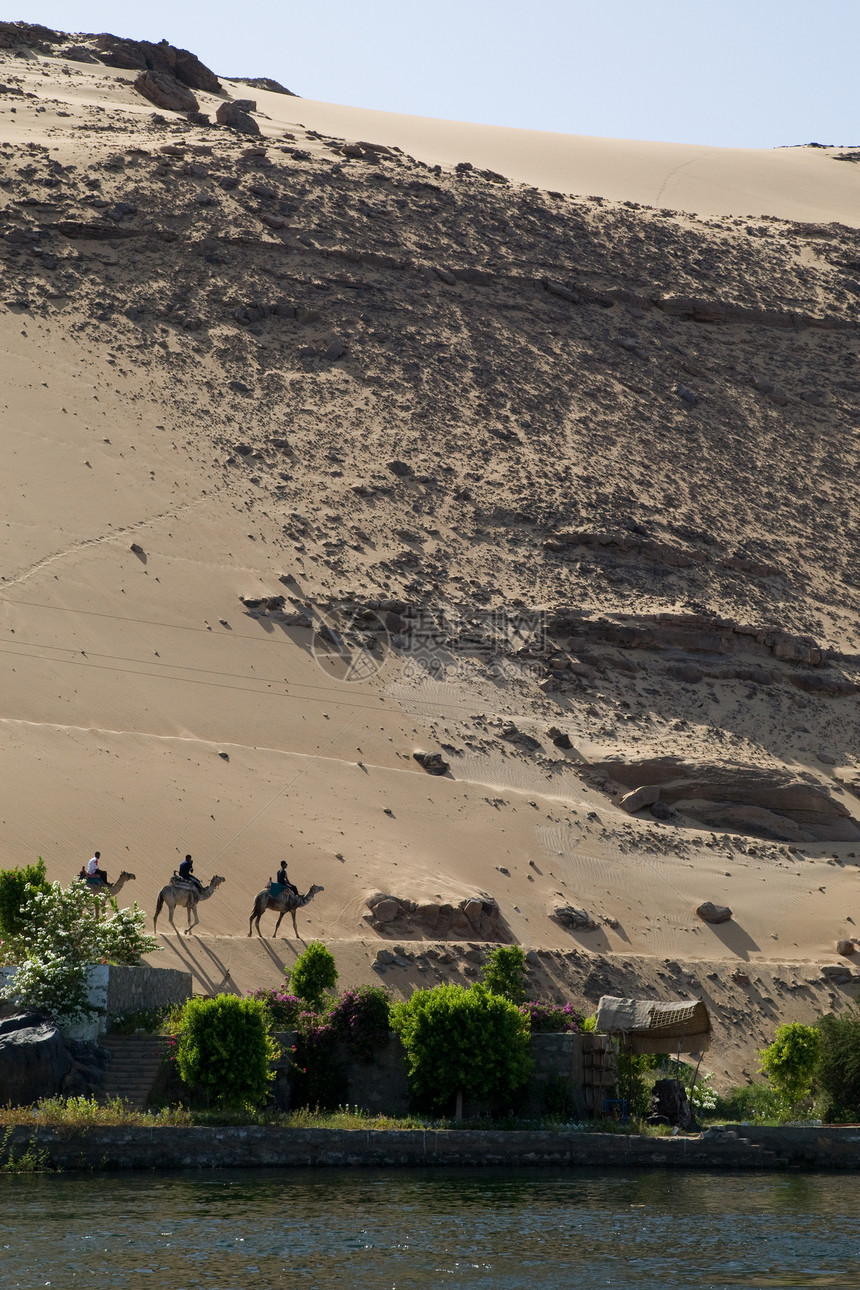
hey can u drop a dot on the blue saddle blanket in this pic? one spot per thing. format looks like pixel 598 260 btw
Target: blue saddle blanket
pixel 276 888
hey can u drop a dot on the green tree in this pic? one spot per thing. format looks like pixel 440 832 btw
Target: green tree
pixel 505 973
pixel 839 1065
pixel 57 941
pixel 790 1061
pixel 462 1043
pixel 224 1051
pixel 16 887
pixel 313 973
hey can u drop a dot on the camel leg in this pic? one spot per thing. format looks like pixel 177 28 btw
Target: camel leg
pixel 170 916
pixel 192 909
pixel 278 923
pixel 158 905
pixel 295 929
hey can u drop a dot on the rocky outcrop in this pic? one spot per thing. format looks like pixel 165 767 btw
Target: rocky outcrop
pixel 769 803
pixel 477 916
pixel 163 57
pixel 166 92
pixel 34 1059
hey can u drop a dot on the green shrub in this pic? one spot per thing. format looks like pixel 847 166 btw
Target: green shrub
pixel 224 1052
pixel 505 973
pixel 839 1065
pixel 750 1102
pixel 313 973
pixel 16 887
pixel 462 1041
pixel 791 1060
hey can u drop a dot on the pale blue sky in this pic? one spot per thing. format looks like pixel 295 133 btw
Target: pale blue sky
pixel 741 73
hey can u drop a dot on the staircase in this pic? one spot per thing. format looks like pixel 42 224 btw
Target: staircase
pixel 135 1062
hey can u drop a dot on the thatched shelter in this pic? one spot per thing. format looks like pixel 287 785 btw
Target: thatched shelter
pixel 644 1026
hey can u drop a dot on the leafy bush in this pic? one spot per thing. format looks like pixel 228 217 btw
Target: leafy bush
pixel 505 973
pixel 588 1025
pixel 16 887
pixel 790 1061
pixel 319 1077
pixel 224 1051
pixel 59 938
pixel 551 1018
pixel 839 1065
pixel 462 1041
pixel 313 973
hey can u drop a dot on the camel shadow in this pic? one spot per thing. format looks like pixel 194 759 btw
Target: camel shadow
pixel 212 976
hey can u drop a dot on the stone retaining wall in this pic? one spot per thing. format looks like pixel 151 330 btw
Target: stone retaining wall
pixel 163 1147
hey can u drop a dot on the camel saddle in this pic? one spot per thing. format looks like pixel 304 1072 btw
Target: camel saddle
pixel 275 888
pixel 176 881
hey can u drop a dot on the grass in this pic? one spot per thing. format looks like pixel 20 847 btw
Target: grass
pixel 81 1113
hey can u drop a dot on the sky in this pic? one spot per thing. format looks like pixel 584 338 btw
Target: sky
pixel 732 73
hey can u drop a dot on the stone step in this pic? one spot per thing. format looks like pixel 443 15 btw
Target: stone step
pixel 134 1065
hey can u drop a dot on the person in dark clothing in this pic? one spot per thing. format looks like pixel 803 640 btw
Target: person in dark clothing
pixel 185 871
pixel 282 878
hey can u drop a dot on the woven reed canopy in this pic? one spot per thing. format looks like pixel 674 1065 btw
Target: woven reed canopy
pixel 649 1027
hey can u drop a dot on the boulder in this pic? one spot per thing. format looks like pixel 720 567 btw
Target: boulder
pixel 231 115
pixel 576 920
pixel 34 1059
pixel 165 91
pixel 711 913
pixel 846 948
pixel 645 795
pixel 162 57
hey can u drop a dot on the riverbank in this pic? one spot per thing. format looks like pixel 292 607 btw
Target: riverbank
pixel 253 1146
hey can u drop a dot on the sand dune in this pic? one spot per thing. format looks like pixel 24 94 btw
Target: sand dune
pixel 316 459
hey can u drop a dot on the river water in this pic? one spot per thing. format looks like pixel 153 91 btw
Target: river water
pixel 416 1229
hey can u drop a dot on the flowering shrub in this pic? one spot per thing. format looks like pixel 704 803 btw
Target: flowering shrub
pixel 703 1097
pixel 282 1008
pixel 362 1020
pixel 59 937
pixel 551 1018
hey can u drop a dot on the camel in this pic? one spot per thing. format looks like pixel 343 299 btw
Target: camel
pixel 109 889
pixel 186 895
pixel 286 902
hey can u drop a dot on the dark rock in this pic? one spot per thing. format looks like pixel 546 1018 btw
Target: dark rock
pixel 34 1060
pixel 846 948
pixel 166 92
pixel 433 763
pixel 231 115
pixel 686 395
pixel 335 350
pixel 711 913
pixel 519 737
pixel 400 468
pixel 163 57
pixel 559 738
pixel 669 1104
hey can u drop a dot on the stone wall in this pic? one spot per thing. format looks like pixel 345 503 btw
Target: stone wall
pixel 130 988
pixel 163 1147
pixel 382 1086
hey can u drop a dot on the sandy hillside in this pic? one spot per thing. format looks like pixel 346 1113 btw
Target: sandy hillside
pixel 318 455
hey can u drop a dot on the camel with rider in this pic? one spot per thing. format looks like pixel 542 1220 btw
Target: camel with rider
pixel 281 902
pixel 185 895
